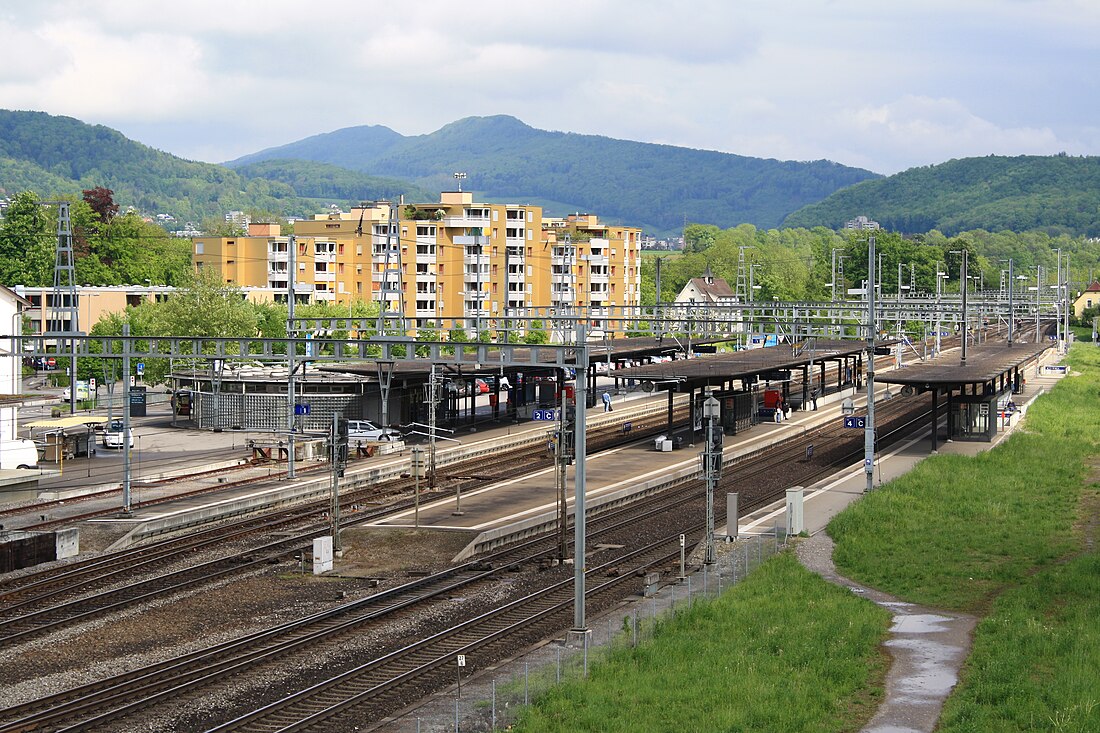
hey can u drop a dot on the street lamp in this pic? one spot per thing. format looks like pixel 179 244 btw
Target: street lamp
pixel 460 177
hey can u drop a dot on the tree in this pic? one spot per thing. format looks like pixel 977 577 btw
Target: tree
pixel 102 202
pixel 27 246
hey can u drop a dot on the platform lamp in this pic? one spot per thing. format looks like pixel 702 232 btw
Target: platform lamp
pixel 460 177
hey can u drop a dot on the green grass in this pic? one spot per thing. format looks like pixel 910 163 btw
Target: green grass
pixel 782 651
pixel 955 531
pixel 1009 535
pixel 1035 664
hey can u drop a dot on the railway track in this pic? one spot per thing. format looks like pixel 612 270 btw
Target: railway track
pixel 88 589
pixel 137 690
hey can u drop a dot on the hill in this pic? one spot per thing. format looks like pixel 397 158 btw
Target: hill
pixel 1058 194
pixel 60 155
pixel 326 181
pixel 656 187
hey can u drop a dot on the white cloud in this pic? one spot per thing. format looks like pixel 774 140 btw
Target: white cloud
pixel 919 130
pixel 881 85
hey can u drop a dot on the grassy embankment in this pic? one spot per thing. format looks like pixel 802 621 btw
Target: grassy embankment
pixel 1008 536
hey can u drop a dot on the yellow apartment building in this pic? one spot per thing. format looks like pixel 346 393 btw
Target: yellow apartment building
pixel 451 263
pixel 93 302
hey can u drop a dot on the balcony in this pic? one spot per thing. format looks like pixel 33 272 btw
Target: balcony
pixel 324 277
pixel 467 240
pixel 463 221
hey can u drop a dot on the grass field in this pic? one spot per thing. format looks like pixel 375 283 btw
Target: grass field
pixel 1009 536
pixel 781 651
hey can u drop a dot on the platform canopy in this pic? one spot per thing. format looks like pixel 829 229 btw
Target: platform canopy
pixel 746 363
pixel 72 421
pixel 984 363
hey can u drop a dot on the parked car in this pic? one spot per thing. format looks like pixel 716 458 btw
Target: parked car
pixel 482 386
pixel 19 453
pixel 112 436
pixel 366 430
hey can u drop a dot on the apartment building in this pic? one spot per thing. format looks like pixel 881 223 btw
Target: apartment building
pixel 93 302
pixel 446 264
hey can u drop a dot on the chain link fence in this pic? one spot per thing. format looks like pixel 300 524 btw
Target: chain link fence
pixel 492 699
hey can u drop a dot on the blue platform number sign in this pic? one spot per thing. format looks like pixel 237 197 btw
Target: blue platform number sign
pixel 543 414
pixel 141 368
pixel 301 409
pixel 855 422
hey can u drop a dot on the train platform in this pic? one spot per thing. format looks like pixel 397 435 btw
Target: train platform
pixel 827 498
pixel 511 510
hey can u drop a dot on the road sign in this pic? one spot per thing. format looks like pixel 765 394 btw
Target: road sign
pixel 855 422
pixel 544 415
pixel 301 409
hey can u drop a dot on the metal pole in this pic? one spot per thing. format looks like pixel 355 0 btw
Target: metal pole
pixel 712 458
pixel 1058 302
pixel 418 468
pixel 433 408
pixel 334 500
pixel 869 431
pixel 1065 307
pixel 126 463
pixel 939 288
pixel 966 321
pixel 291 399
pixel 1011 312
pixel 1038 298
pixel 580 447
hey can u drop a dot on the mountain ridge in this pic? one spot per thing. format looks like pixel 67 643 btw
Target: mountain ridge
pixel 650 185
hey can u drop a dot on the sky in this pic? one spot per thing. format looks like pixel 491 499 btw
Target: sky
pixel 882 85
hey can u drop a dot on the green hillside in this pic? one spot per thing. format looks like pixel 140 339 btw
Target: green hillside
pixel 326 181
pixel 656 187
pixel 55 155
pixel 1059 194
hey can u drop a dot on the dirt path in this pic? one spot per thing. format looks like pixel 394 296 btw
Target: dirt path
pixel 928 647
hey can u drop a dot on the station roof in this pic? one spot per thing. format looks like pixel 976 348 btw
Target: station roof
pixel 72 421
pixel 984 363
pixel 598 350
pixel 743 363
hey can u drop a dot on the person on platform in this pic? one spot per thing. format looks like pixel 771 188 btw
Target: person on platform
pixel 813 397
pixel 778 412
pixel 606 401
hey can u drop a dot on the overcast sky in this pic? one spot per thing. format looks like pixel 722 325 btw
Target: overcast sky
pixel 880 84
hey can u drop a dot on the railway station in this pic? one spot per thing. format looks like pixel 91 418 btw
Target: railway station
pixel 753 384
pixel 979 388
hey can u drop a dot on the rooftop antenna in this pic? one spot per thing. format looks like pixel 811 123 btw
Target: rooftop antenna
pixel 460 177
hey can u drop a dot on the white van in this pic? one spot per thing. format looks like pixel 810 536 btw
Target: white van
pixel 20 453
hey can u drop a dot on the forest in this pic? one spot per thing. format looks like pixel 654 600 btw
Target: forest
pixel 796 263
pixel 1058 194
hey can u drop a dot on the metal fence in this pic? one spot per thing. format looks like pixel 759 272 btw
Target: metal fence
pixel 492 699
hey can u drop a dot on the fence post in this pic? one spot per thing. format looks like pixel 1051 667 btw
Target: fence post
pixel 494 714
pixel 525 682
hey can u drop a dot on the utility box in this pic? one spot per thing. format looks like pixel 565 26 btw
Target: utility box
pixel 322 554
pixel 731 516
pixel 67 542
pixel 796 523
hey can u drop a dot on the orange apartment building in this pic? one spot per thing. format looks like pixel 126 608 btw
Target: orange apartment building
pixel 450 263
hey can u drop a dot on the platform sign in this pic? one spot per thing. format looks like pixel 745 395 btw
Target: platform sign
pixel 855 422
pixel 546 415
pixel 301 408
pixel 141 369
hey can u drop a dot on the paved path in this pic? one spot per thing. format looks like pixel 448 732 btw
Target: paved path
pixel 928 648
